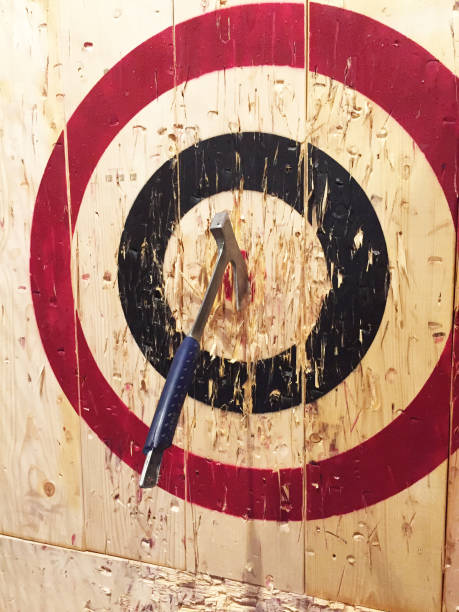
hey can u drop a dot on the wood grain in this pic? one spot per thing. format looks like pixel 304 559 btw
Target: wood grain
pixel 451 558
pixel 63 486
pixel 380 552
pixel 271 100
pixel 119 518
pixel 40 452
pixel 87 581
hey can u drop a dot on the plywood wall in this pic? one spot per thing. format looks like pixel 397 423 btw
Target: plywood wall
pixel 75 580
pixel 366 113
pixel 312 452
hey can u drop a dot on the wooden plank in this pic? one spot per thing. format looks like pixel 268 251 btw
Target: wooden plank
pixel 89 581
pixel 427 23
pixel 451 561
pixel 371 542
pixel 451 558
pixel 267 99
pixel 118 518
pixel 40 451
pixel 149 526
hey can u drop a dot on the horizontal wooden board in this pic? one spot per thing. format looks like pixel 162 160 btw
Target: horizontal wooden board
pixel 75 581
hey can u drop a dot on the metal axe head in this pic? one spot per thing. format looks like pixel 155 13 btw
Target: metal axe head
pixel 229 250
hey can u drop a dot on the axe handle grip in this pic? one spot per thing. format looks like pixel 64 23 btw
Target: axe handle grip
pixel 173 395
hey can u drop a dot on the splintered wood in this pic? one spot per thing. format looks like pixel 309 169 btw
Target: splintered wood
pixel 287 272
pixel 312 453
pixel 451 557
pixel 90 582
pixel 406 530
pixel 40 452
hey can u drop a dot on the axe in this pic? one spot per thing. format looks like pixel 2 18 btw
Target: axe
pixel 182 369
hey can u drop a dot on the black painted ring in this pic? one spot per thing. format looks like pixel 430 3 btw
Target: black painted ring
pixel 351 313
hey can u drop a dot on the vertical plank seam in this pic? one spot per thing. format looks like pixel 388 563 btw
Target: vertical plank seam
pixel 185 409
pixel 455 340
pixel 305 201
pixel 69 217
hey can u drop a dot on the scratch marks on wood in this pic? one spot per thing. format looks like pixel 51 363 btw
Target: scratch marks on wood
pixel 100 582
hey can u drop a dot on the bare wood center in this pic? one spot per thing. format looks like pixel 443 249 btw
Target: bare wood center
pixel 286 266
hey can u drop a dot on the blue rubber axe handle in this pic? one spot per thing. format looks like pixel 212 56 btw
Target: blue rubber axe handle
pixel 173 395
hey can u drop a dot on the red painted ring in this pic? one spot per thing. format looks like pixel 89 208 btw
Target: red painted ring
pixel 255 35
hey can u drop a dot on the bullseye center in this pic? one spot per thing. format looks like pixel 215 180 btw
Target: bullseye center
pixel 286 267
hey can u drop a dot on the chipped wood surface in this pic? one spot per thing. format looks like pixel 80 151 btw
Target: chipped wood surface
pixel 65 486
pixel 406 530
pixel 40 462
pixel 119 519
pixel 451 557
pixel 269 99
pixel 94 583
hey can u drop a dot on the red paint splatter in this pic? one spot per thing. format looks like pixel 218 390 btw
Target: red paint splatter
pixel 228 281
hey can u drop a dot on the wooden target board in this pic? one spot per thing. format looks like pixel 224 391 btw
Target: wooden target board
pixel 312 452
